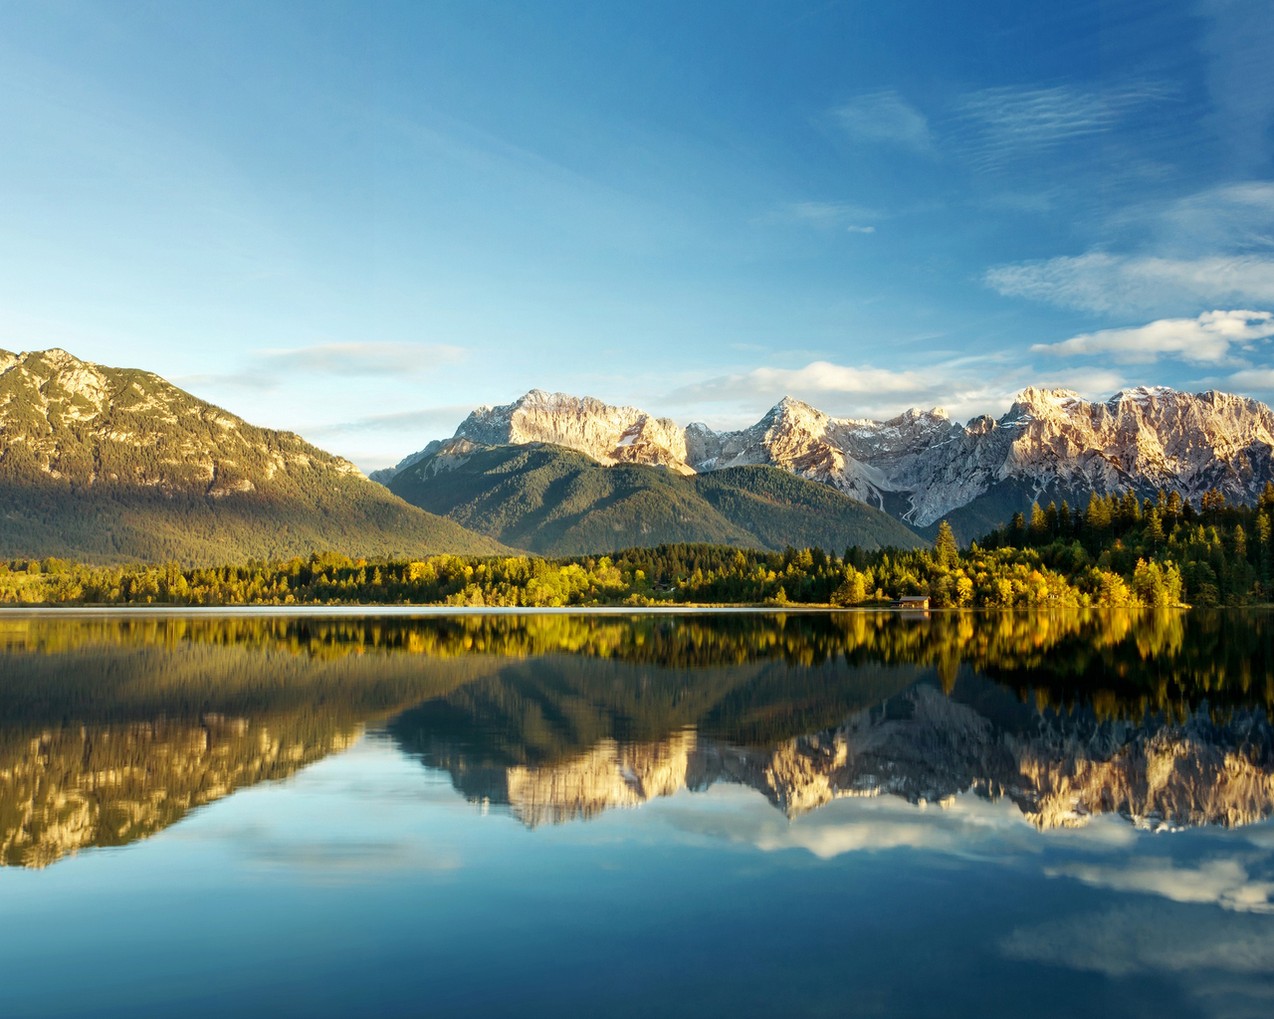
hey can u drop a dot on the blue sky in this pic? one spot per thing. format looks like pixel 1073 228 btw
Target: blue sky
pixel 359 220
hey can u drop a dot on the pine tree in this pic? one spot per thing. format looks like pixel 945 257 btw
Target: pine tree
pixel 946 551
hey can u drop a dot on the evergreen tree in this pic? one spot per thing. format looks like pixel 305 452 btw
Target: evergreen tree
pixel 946 551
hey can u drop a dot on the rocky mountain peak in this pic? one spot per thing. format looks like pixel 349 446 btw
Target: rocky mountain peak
pixel 925 466
pixel 791 413
pixel 607 433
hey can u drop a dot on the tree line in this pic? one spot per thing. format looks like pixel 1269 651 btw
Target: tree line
pixel 1117 551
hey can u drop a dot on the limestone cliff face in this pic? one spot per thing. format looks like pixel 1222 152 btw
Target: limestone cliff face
pixel 921 463
pixel 608 434
pixel 927 748
pixel 73 788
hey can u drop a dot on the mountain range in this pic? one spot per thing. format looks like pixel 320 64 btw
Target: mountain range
pixel 110 464
pixel 920 467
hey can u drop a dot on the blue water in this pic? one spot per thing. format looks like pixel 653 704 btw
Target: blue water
pixel 366 884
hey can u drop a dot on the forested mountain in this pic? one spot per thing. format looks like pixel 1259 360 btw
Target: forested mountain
pixel 101 463
pixel 556 501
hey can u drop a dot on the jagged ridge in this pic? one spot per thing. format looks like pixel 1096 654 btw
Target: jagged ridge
pixel 921 466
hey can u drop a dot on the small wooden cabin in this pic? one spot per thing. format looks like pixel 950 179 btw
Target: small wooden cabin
pixel 915 602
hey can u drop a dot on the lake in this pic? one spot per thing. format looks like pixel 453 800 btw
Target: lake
pixel 743 814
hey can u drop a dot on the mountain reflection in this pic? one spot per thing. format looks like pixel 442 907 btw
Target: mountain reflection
pixel 114 727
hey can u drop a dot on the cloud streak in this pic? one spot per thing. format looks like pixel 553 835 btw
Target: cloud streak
pixel 1207 339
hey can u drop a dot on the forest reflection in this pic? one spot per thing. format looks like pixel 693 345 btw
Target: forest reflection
pixel 114 727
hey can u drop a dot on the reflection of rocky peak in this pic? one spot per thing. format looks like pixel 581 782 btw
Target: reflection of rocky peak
pixel 926 747
pixel 609 775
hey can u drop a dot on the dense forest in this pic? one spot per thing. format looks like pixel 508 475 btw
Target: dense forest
pixel 1116 551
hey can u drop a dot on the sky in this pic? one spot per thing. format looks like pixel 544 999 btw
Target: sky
pixel 358 221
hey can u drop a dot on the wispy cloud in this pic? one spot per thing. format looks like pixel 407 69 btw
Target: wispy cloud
pixel 1208 249
pixel 998 126
pixel 372 360
pixel 363 359
pixel 1237 217
pixel 885 118
pixel 1202 340
pixel 1100 281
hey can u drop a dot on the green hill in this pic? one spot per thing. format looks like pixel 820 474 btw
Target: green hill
pixel 107 464
pixel 555 501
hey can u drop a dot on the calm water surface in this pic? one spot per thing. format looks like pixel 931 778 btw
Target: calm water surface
pixel 743 814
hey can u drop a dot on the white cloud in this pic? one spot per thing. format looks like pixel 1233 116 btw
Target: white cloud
pixel 885 117
pixel 1099 281
pixel 434 421
pixel 829 213
pixel 963 386
pixel 816 377
pixel 1205 339
pixel 968 825
pixel 1091 383
pixel 1252 380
